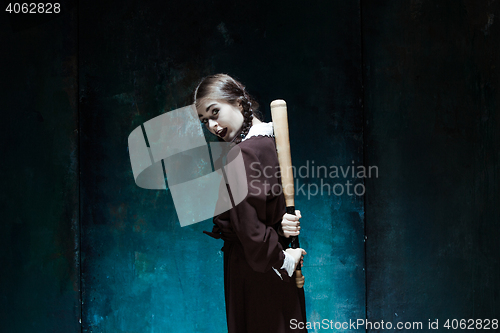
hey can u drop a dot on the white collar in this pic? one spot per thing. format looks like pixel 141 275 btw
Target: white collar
pixel 262 129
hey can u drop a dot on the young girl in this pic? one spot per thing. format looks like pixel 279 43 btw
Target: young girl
pixel 261 295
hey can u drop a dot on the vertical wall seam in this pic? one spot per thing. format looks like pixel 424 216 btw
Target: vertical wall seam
pixel 363 151
pixel 79 130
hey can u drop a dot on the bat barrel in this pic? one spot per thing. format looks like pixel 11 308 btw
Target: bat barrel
pixel 280 124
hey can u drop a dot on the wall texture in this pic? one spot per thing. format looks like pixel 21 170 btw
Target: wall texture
pixel 431 125
pixel 39 232
pixel 142 272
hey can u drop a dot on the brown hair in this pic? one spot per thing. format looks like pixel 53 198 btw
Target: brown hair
pixel 222 87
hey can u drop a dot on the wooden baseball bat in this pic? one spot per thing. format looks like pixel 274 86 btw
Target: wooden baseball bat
pixel 280 124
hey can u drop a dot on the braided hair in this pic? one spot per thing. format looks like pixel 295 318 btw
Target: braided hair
pixel 223 87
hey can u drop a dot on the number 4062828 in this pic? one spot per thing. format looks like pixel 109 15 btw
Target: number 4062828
pixel 33 8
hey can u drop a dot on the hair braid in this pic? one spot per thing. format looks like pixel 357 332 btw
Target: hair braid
pixel 246 104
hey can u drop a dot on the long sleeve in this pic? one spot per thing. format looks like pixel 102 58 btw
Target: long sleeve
pixel 254 219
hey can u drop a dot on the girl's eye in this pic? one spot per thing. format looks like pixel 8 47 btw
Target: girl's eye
pixel 215 111
pixel 204 121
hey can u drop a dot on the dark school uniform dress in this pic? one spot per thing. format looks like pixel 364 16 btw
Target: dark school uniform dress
pixel 258 299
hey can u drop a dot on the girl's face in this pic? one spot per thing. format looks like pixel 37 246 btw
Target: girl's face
pixel 220 118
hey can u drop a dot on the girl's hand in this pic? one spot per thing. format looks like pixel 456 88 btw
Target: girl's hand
pixel 297 254
pixel 291 224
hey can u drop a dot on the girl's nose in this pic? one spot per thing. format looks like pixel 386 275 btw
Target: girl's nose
pixel 212 125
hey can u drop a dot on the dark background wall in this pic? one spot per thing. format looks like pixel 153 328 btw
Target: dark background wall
pixel 39 229
pixel 413 85
pixel 432 126
pixel 141 270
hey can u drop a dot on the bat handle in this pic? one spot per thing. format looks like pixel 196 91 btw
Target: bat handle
pixel 294 244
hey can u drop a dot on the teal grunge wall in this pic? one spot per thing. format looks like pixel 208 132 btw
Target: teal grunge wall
pixel 142 272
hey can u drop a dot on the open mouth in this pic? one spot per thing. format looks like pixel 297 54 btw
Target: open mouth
pixel 222 133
